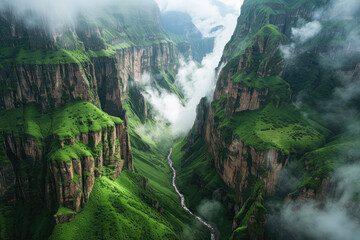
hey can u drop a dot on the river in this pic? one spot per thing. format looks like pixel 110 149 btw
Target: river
pixel 182 200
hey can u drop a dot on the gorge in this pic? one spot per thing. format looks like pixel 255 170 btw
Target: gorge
pixel 259 108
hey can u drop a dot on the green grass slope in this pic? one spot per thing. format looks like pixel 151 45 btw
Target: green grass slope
pixel 283 128
pixel 64 122
pixel 122 210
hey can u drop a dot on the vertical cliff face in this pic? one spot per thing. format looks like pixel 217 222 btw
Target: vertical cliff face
pixel 50 85
pixel 114 74
pixel 251 128
pixel 39 65
pixel 235 93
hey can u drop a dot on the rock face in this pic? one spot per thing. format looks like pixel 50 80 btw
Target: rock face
pixel 74 180
pixel 50 85
pixel 234 161
pixel 114 75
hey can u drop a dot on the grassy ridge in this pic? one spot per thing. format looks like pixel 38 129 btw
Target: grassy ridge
pixel 23 56
pixel 281 128
pixel 252 212
pixel 121 210
pixel 64 122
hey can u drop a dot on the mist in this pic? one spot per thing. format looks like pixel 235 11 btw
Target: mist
pixel 299 36
pixel 336 10
pixel 335 218
pixel 53 14
pixel 196 81
pixel 211 210
pixel 205 13
pixel 336 215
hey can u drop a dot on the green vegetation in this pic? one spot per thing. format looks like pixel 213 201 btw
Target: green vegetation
pixel 322 162
pixel 262 54
pixel 25 220
pixel 123 210
pixel 23 56
pixel 278 88
pixel 258 13
pixel 166 80
pixel 69 152
pixel 251 213
pixel 64 211
pixel 65 122
pixel 109 51
pixel 281 128
pixel 123 25
pixel 197 180
pixel 126 24
pixel 150 143
pixel 80 117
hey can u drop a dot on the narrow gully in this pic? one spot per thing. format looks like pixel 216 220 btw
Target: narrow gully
pixel 182 199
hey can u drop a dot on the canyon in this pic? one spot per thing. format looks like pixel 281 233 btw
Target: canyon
pixel 84 153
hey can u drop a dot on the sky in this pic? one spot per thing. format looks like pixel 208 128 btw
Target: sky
pixel 205 13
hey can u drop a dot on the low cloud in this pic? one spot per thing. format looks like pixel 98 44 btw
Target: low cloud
pixel 337 215
pixel 306 32
pixel 196 82
pixel 204 13
pixel 329 220
pixel 308 221
pixel 299 36
pixel 211 210
pixel 53 14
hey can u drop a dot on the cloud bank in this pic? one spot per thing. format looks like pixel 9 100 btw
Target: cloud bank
pixel 196 81
pixel 337 216
pixel 329 220
pixel 204 13
pixel 299 36
pixel 336 10
pixel 53 14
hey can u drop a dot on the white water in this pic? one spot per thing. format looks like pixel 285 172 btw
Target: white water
pixel 182 199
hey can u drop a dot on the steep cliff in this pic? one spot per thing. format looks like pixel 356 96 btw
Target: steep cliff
pixel 253 131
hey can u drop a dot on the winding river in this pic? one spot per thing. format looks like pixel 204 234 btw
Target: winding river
pixel 182 199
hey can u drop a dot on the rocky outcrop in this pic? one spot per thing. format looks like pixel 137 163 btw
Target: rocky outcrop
pixel 306 193
pixel 64 218
pixel 134 61
pixel 238 164
pixel 116 76
pixel 198 129
pixel 25 163
pixel 74 180
pixel 239 97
